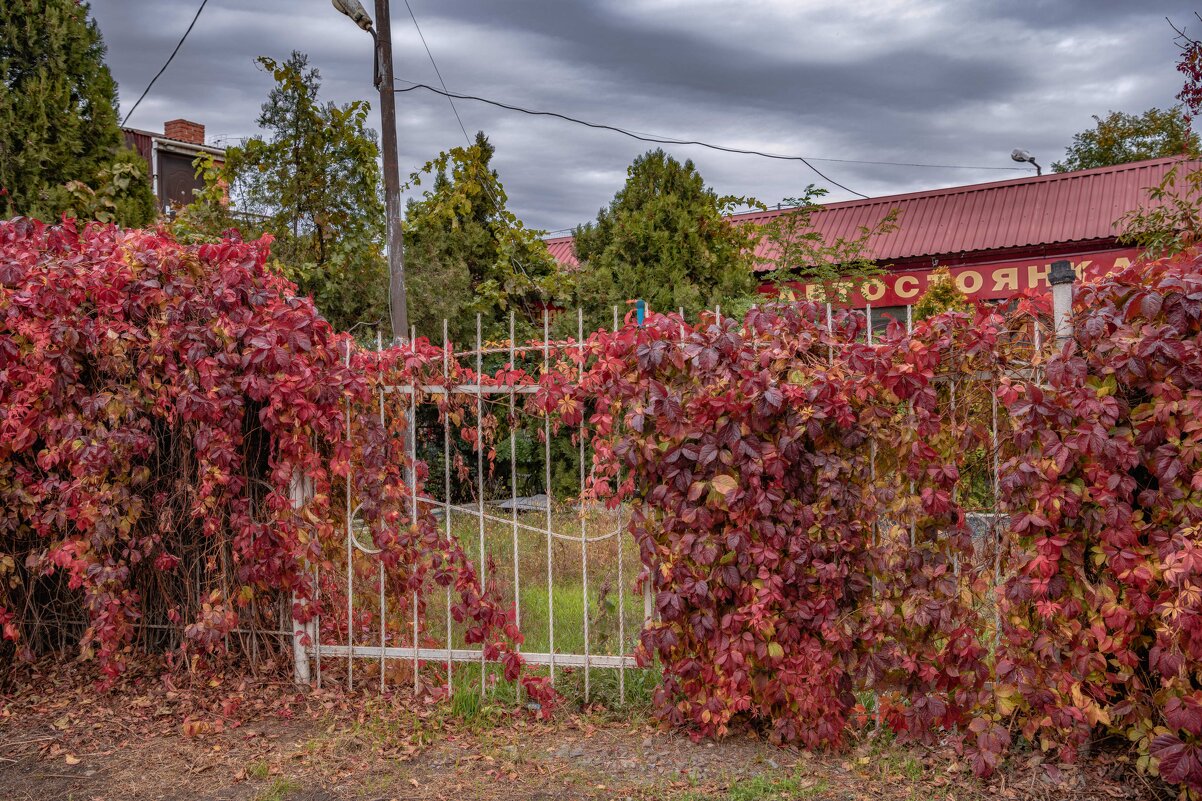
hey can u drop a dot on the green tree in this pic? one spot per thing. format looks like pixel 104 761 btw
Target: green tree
pixel 793 251
pixel 467 254
pixel 311 181
pixel 942 295
pixel 663 239
pixel 1119 138
pixel 61 149
pixel 1172 219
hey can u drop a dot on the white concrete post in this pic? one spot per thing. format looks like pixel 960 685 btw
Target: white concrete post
pixel 301 492
pixel 1062 277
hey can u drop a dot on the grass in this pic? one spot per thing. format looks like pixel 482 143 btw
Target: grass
pixel 280 789
pixel 258 770
pixel 765 787
pixel 567 599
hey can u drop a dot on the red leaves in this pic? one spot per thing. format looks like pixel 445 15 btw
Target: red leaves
pixel 797 495
pixel 1100 616
pixel 157 402
pixel 746 451
pixel 990 741
pixel 1178 762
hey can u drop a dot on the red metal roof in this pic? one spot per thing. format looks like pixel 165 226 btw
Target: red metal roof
pixel 1023 212
pixel 563 250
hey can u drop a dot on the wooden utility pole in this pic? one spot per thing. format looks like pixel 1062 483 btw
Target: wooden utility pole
pixel 398 307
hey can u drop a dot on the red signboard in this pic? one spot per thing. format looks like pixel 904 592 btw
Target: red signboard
pixel 990 281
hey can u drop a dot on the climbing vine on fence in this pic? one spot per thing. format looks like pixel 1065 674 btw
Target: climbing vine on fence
pixel 798 492
pixel 160 404
pixel 794 498
pixel 798 496
pixel 1104 615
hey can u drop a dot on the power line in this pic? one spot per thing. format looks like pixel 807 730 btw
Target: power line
pixel 438 72
pixel 631 134
pixel 645 137
pixel 178 45
pixel 483 182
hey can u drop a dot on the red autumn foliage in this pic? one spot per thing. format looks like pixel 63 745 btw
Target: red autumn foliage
pixel 794 562
pixel 158 404
pixel 798 495
pixel 1104 612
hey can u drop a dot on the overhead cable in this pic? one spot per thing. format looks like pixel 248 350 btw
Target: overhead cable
pixel 631 134
pixel 170 58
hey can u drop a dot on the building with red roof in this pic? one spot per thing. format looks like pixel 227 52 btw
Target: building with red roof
pixel 997 239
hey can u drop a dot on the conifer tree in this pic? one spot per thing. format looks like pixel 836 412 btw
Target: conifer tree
pixel 663 239
pixel 61 148
pixel 467 254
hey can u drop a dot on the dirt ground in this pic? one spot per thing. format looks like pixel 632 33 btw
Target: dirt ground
pixel 232 739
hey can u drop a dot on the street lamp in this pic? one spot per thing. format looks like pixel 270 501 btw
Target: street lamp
pixel 355 10
pixel 398 310
pixel 1017 155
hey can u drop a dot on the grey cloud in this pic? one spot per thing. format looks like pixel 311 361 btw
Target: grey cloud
pixel 920 81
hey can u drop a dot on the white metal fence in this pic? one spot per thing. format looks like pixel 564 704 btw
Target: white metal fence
pixel 498 521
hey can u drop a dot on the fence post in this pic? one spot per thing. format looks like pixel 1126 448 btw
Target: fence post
pixel 1062 277
pixel 301 492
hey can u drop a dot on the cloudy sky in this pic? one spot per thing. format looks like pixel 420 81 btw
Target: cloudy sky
pixel 946 82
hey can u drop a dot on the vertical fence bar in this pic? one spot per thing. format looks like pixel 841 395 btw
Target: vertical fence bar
pixel 317 621
pixel 350 560
pixel 868 319
pixel 876 536
pixel 910 330
pixel 830 333
pixel 411 419
pixel 547 471
pixel 583 527
pixel 480 466
pixel 301 493
pixel 446 472
pixel 383 425
pixel 956 486
pixel 621 586
pixel 997 548
pixel 513 486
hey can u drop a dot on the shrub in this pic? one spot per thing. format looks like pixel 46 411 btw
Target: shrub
pixel 793 562
pixel 1104 615
pixel 160 404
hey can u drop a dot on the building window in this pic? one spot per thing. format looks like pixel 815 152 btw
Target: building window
pixel 881 317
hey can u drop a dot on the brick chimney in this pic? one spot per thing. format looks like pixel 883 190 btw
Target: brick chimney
pixel 184 131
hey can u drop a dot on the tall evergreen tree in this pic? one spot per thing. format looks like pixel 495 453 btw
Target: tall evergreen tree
pixel 312 182
pixel 663 239
pixel 467 254
pixel 61 147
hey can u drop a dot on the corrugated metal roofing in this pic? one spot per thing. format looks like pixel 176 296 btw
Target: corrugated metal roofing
pixel 1024 212
pixel 563 250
